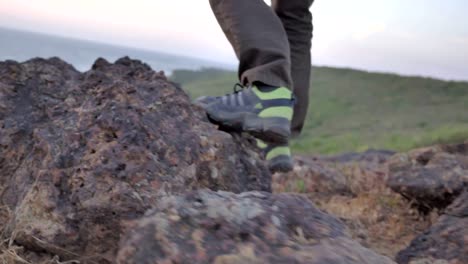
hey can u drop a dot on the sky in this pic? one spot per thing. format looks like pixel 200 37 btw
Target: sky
pixel 416 37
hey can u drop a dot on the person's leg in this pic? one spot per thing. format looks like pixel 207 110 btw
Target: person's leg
pixel 259 41
pixel 264 108
pixel 297 21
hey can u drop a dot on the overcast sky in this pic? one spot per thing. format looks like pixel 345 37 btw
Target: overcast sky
pixel 415 37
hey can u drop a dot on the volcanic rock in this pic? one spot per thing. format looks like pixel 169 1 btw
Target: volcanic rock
pixel 82 153
pixel 252 227
pixel 446 241
pixel 431 177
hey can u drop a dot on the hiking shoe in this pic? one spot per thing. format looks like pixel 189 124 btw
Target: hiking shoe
pixel 265 113
pixel 278 156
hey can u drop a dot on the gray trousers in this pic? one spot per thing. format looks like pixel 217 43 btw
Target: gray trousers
pixel 272 44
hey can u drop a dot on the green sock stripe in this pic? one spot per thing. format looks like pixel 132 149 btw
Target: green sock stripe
pixel 278 151
pixel 261 144
pixel 277 111
pixel 278 93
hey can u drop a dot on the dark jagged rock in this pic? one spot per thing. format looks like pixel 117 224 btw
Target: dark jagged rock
pixel 445 242
pixel 435 177
pixel 431 177
pixel 254 227
pixel 81 153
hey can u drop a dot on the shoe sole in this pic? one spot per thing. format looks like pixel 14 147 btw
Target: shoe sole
pixel 269 129
pixel 281 164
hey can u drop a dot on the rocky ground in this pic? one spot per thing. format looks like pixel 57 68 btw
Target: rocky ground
pixel 410 207
pixel 116 165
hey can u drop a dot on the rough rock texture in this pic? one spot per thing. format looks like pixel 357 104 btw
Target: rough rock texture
pixel 313 177
pixel 80 153
pixel 446 241
pixel 353 188
pixel 83 156
pixel 435 179
pixel 386 220
pixel 325 176
pixel 431 177
pixel 254 227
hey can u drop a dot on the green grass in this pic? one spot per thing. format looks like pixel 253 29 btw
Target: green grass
pixel 354 110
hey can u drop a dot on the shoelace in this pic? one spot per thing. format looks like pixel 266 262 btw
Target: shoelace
pixel 242 87
pixel 237 86
pixel 230 98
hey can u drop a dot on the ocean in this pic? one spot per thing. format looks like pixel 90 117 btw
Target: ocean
pixel 21 46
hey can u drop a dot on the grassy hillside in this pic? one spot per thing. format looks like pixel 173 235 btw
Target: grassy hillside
pixel 354 110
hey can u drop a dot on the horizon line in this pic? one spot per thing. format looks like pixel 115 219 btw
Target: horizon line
pixel 226 64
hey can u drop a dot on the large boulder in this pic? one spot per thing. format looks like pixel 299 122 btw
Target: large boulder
pixel 253 227
pixel 431 177
pixel 82 153
pixel 446 242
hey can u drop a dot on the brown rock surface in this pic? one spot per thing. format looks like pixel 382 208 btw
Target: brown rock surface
pixel 253 227
pixel 84 155
pixel 81 153
pixel 446 241
pixel 312 177
pixel 431 177
pixel 353 188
